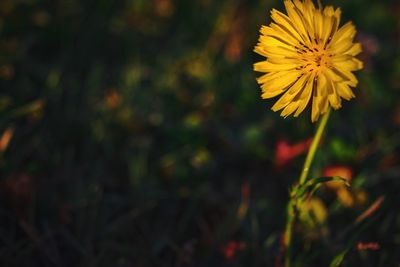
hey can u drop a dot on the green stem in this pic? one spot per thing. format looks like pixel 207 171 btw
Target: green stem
pixel 293 202
pixel 287 237
pixel 313 147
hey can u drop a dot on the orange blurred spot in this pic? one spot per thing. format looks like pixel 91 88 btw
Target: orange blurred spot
pixel 233 48
pixel 6 138
pixel 7 72
pixel 360 197
pixel 207 99
pixel 337 171
pixel 163 8
pixel 368 246
pixel 36 109
pixel 113 99
pixel 349 198
pixel 285 152
pixel 340 170
pixel 41 18
pixel 244 204
pixel 345 197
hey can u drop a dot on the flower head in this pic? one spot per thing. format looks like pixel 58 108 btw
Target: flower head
pixel 309 59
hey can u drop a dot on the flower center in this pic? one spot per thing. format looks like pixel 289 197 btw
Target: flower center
pixel 314 58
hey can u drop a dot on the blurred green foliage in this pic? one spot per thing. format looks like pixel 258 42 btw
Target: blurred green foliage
pixel 132 133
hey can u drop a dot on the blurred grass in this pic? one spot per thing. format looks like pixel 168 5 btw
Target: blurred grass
pixel 137 124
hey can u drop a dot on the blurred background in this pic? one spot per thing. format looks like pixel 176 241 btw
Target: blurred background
pixel 132 133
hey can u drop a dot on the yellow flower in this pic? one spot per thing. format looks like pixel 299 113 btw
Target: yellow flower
pixel 309 58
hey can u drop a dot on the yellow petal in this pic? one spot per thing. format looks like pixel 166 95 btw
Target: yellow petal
pixel 271 41
pixel 345 72
pixel 359 64
pixel 280 32
pixel 355 49
pixel 329 11
pixel 305 97
pixel 344 91
pixel 270 51
pixel 289 109
pixel 290 93
pixel 318 25
pixel 265 66
pixel 346 63
pixel 297 20
pixel 343 46
pixel 333 98
pixel 306 10
pixel 278 85
pixel 307 14
pixel 276 32
pixel 336 16
pixel 272 76
pixel 347 31
pixel 322 92
pixel 327 26
pixel 331 75
pixel 315 107
pixel 284 22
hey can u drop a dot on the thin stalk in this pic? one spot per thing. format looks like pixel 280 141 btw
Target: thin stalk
pixel 292 208
pixel 313 147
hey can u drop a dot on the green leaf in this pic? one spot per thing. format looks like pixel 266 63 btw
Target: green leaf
pixel 316 181
pixel 338 259
pixel 312 185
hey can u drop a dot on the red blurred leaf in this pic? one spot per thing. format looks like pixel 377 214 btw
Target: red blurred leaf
pixel 338 170
pixel 368 246
pixel 284 152
pixel 232 248
pixel 341 171
pixel 371 210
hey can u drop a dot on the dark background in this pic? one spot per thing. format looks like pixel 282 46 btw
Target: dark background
pixel 132 133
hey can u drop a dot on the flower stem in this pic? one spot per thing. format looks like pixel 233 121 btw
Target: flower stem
pixel 292 206
pixel 313 147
